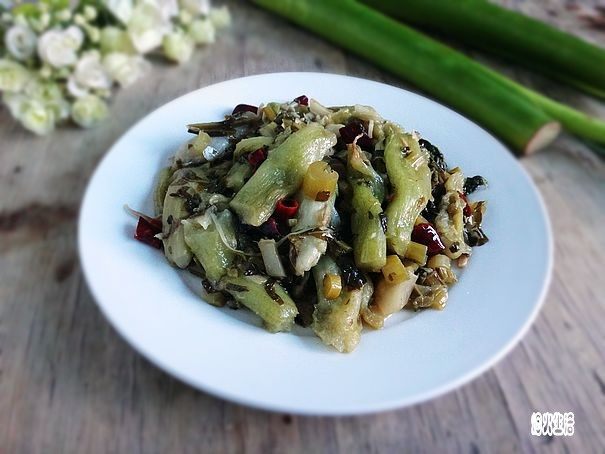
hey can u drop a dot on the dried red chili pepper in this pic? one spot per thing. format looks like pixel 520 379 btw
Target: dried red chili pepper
pixel 302 100
pixel 256 158
pixel 244 108
pixel 286 208
pixel 427 235
pixel 467 210
pixel 147 230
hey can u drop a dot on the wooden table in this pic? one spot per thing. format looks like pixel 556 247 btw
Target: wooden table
pixel 70 384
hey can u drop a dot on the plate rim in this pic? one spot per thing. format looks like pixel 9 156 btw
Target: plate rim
pixel 363 409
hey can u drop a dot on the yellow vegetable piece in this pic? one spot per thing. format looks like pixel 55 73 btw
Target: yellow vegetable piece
pixel 439 261
pixel 416 252
pixel 332 286
pixel 269 113
pixel 394 271
pixel 320 181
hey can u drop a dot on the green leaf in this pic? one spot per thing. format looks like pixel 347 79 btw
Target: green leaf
pixel 56 5
pixel 28 10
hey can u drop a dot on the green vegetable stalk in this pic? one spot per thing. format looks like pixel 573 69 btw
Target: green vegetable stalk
pixel 336 321
pixel 209 244
pixel 442 72
pixel 265 298
pixel 237 175
pixel 174 210
pixel 161 188
pixel 369 239
pixel 281 174
pixel 410 177
pixel 506 33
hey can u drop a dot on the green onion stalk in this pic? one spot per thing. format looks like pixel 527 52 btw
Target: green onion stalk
pixel 435 68
pixel 508 34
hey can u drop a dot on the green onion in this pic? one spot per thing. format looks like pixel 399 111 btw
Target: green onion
pixel 440 71
pixel 506 33
pixel 574 121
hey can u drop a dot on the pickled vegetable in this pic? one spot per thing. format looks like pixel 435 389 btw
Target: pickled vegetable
pixel 336 321
pixel 410 177
pixel 264 297
pixel 281 174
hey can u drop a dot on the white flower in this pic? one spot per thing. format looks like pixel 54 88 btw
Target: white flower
pixel 35 116
pixel 39 23
pixel 90 12
pixel 20 41
pixel 94 34
pixel 64 15
pixel 74 88
pixel 125 69
pixel 114 39
pixel 196 7
pixel 147 27
pixel 45 72
pixel 88 111
pixel 220 17
pixel 178 47
pixel 20 19
pixel 59 47
pixel 168 8
pixel 49 94
pixel 80 20
pixel 185 17
pixel 121 9
pixel 90 73
pixel 76 34
pixel 202 31
pixel 14 102
pixel 13 76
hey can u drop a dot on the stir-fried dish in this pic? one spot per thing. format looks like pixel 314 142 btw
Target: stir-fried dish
pixel 327 217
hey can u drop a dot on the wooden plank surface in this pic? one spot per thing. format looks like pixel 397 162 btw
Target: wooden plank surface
pixel 69 384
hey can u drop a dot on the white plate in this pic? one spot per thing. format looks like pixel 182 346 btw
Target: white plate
pixel 225 353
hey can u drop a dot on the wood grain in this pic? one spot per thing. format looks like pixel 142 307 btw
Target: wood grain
pixel 70 384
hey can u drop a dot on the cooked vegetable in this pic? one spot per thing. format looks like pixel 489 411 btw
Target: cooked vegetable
pixel 319 182
pixel 424 233
pixel 251 144
pixel 266 298
pixel 391 297
pixel 430 65
pixel 393 271
pixel 317 186
pixel 450 225
pixel 212 243
pixel 256 158
pixel 439 261
pixel 286 209
pixel 281 174
pixel 507 33
pixel 410 177
pixel 332 286
pixel 369 239
pixel 313 214
pixel 147 231
pixel 273 264
pixel 434 297
pixel 161 188
pixel 238 175
pixel 177 207
pixel 416 252
pixel 336 321
pixel 305 252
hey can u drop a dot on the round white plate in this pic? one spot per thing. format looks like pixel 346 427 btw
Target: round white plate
pixel 225 352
